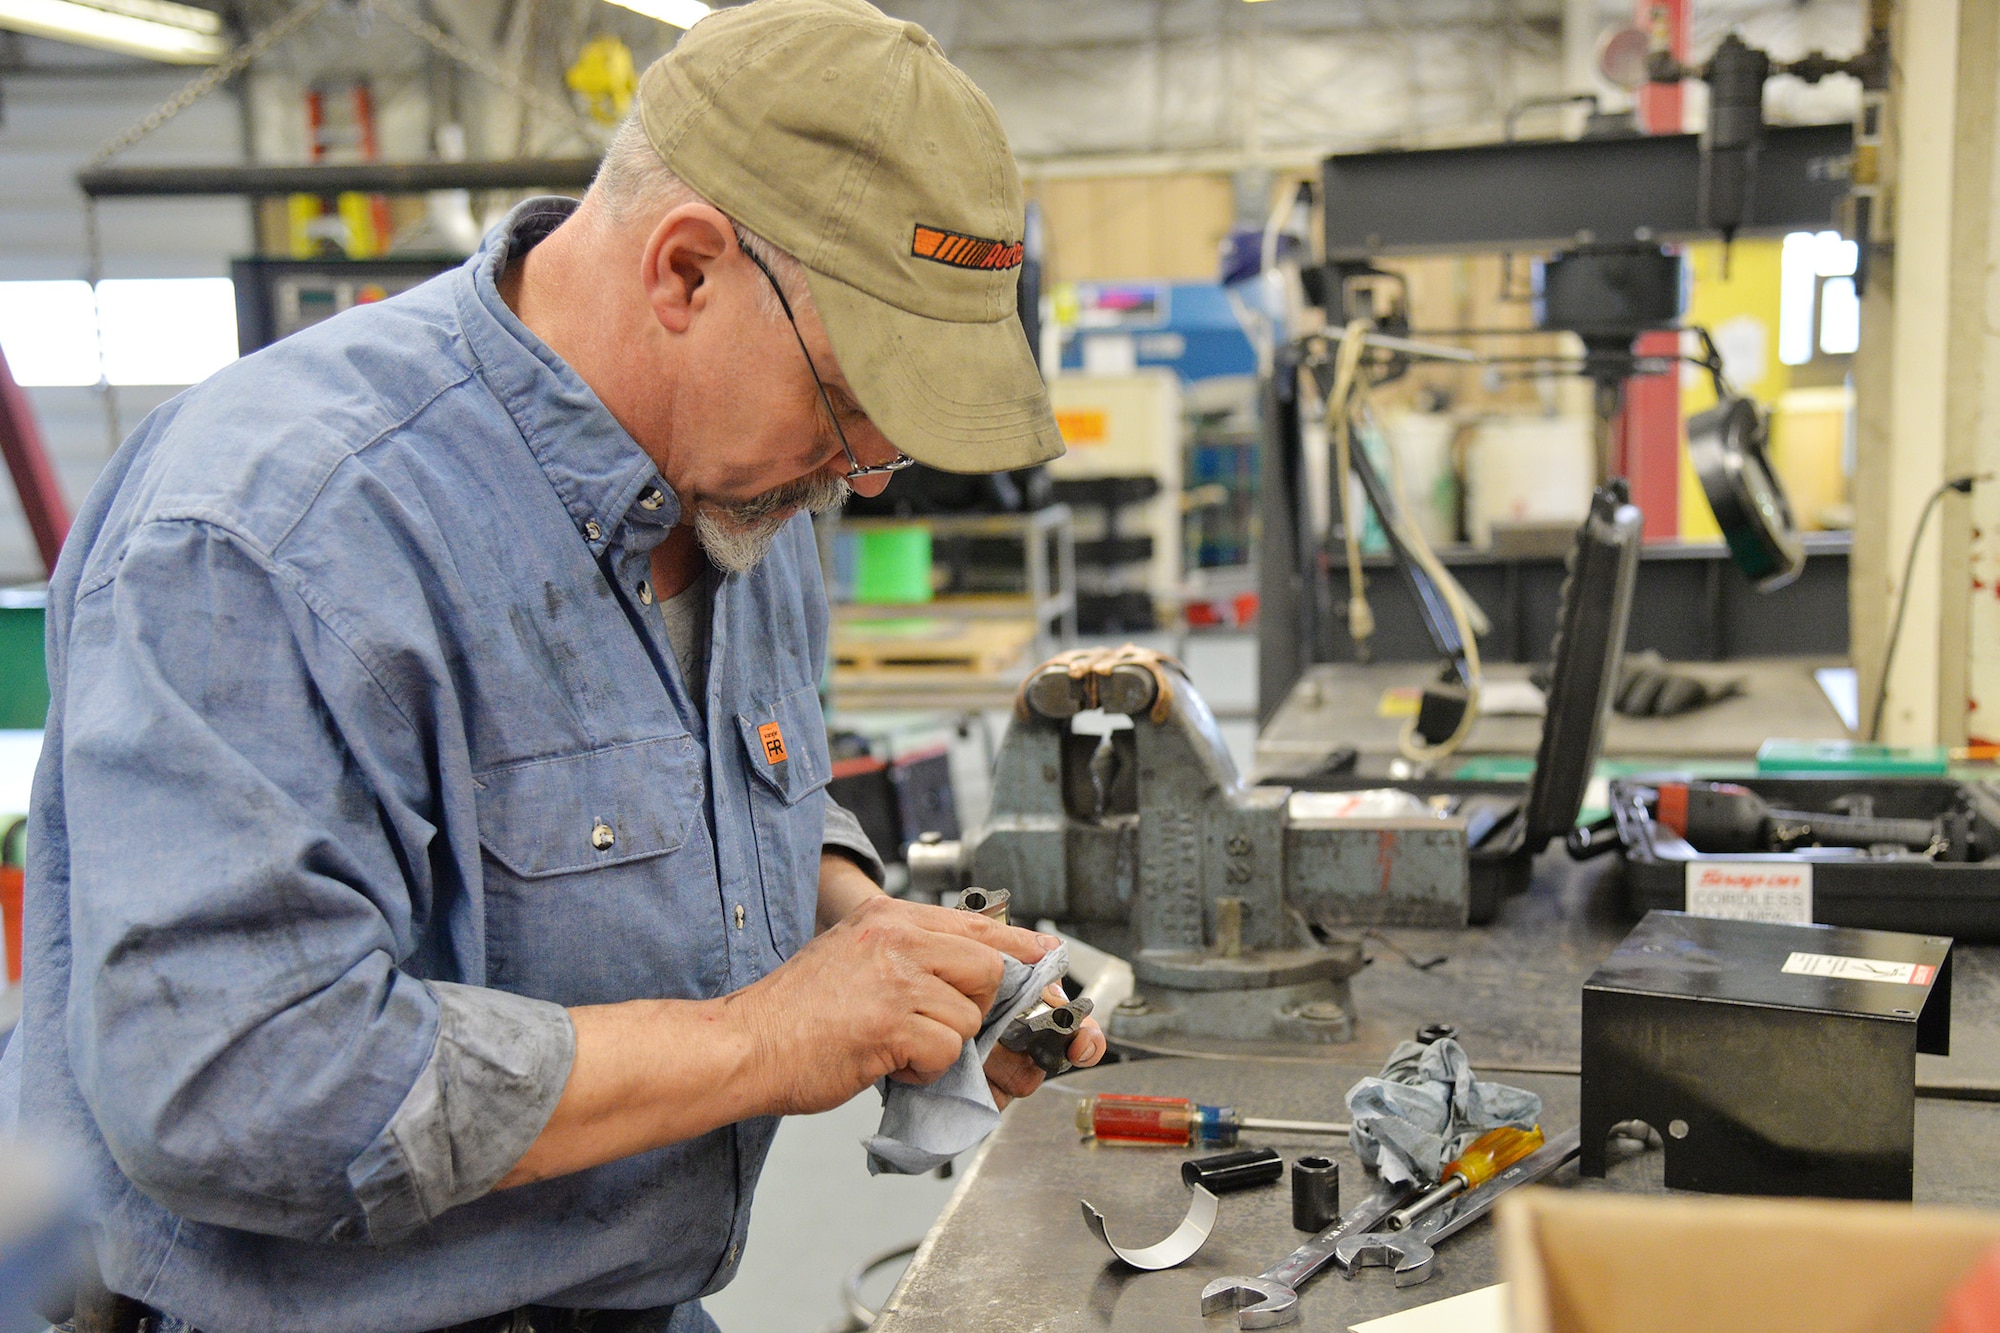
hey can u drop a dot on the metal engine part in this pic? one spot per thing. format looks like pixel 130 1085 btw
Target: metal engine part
pixel 1144 841
pixel 1044 1034
pixel 989 903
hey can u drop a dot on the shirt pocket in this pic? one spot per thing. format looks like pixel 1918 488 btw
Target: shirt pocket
pixel 784 744
pixel 581 849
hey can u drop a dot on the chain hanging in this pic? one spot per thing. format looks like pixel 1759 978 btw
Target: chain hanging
pixel 207 82
pixel 451 48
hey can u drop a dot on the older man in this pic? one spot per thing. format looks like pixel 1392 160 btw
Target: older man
pixel 434 897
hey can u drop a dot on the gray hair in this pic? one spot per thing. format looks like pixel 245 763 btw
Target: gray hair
pixel 633 182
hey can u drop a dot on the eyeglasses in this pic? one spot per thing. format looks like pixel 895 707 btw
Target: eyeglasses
pixel 854 466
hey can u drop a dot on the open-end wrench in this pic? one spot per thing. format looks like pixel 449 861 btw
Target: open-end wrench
pixel 1272 1297
pixel 1411 1250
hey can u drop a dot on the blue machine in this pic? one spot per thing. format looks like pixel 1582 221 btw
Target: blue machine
pixel 1186 327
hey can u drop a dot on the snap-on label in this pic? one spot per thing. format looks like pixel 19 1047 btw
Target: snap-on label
pixel 1751 891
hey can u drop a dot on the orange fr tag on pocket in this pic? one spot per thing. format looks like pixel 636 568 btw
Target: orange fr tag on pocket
pixel 774 743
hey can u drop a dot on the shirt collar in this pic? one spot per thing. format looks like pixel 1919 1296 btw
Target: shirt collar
pixel 614 494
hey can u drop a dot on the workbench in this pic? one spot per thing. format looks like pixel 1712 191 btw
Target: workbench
pixel 1337 705
pixel 1010 1252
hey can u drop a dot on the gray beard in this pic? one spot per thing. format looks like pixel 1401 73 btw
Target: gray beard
pixel 736 537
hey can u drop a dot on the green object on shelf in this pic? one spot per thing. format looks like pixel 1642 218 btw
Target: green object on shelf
pixel 1778 756
pixel 24 678
pixel 893 565
pixel 1495 768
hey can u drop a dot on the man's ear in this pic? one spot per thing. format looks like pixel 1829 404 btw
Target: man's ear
pixel 679 261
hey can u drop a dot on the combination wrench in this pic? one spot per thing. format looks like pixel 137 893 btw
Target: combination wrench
pixel 1272 1297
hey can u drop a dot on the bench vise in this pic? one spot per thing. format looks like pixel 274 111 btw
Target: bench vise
pixel 1143 841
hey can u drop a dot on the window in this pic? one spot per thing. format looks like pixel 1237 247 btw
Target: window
pixel 1816 277
pixel 166 330
pixel 127 331
pixel 49 332
pixel 1839 317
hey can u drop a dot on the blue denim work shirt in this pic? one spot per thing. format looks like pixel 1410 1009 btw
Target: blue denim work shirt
pixel 366 753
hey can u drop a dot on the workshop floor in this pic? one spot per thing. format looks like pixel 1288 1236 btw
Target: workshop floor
pixel 819 1214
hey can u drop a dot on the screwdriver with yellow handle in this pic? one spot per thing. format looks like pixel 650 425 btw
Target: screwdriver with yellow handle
pixel 1489 1155
pixel 1113 1117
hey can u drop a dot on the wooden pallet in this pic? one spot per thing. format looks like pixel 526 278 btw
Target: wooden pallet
pixel 926 647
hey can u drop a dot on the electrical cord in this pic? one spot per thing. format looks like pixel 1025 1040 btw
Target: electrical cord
pixel 1340 424
pixel 1348 402
pixel 1963 485
pixel 1408 742
pixel 858 1313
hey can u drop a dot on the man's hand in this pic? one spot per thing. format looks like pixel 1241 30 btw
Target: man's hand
pixel 895 988
pixel 843 888
pixel 1010 1074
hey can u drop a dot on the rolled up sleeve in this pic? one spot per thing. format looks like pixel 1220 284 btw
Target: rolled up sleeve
pixel 493 1078
pixel 248 817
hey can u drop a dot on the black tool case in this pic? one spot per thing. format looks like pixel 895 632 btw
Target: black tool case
pixel 1849 888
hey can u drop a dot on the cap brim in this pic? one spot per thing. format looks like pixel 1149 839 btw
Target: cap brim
pixel 960 397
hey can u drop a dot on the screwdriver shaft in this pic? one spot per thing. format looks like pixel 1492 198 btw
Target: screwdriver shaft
pixel 1294 1126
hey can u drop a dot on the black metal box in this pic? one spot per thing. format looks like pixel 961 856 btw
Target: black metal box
pixel 1772 1059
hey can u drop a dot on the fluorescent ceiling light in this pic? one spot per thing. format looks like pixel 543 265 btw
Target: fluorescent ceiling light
pixel 680 13
pixel 156 29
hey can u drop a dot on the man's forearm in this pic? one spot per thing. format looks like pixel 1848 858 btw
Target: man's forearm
pixel 895 989
pixel 843 886
pixel 651 1072
pixel 646 1073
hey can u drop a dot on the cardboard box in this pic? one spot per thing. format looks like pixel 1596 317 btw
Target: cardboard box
pixel 1605 1263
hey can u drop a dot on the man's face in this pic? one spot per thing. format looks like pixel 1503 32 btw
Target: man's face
pixel 753 443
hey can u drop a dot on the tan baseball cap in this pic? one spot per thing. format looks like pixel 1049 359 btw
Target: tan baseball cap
pixel 847 139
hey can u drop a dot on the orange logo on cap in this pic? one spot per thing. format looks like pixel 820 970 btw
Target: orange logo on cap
pixel 774 743
pixel 949 247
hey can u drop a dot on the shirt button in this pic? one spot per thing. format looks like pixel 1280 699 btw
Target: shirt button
pixel 651 498
pixel 645 593
pixel 739 916
pixel 601 836
pixel 734 1250
pixel 591 531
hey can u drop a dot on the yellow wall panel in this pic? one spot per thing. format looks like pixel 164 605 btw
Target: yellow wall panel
pixel 1740 309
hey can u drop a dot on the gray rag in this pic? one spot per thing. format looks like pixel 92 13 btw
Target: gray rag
pixel 925 1126
pixel 1426 1108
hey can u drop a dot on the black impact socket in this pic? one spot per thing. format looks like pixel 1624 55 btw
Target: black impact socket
pixel 1230 1171
pixel 1315 1193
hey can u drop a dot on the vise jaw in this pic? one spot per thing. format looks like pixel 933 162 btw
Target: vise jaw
pixel 1138 836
